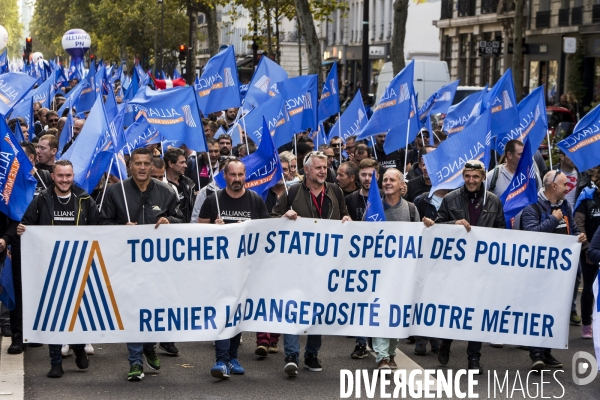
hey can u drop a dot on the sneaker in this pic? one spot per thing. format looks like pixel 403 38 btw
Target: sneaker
pixel 89 349
pixel 152 359
pixel 312 363
pixel 56 371
pixel 575 319
pixel 291 366
pixel 235 367
pixel 360 351
pixel 420 349
pixel 262 350
pixel 169 348
pixel 551 362
pixel 444 354
pixel 273 348
pixel 383 364
pixel 537 364
pixel 475 365
pixel 65 350
pixel 587 332
pixel 6 331
pixel 220 370
pixel 81 359
pixel 392 363
pixel 136 373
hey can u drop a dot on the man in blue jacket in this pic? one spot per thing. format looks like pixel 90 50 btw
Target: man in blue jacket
pixel 551 214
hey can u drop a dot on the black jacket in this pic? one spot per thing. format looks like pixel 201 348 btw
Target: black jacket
pixel 424 206
pixel 148 207
pixel 455 207
pixel 41 208
pixel 8 230
pixel 187 198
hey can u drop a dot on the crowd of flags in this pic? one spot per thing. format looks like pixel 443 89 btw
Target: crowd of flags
pixel 163 109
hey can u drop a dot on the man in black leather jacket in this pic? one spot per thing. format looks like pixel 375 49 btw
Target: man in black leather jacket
pixel 465 206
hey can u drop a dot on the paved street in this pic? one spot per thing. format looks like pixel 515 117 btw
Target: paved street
pixel 187 376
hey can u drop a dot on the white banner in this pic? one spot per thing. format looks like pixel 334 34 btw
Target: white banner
pixel 194 282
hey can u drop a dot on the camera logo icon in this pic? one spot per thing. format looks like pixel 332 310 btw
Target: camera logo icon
pixel 584 364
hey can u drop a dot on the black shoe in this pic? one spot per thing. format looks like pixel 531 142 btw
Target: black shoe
pixel 291 366
pixel 169 348
pixel 551 362
pixel 312 363
pixel 475 365
pixel 444 354
pixel 34 345
pixel 435 345
pixel 55 372
pixel 6 331
pixel 410 340
pixel 420 349
pixel 537 363
pixel 262 350
pixel 360 351
pixel 81 359
pixel 16 347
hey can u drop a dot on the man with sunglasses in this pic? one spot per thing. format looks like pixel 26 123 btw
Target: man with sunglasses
pixel 337 144
pixel 201 175
pixel 551 214
pixel 466 206
pixel 312 198
pixel 148 202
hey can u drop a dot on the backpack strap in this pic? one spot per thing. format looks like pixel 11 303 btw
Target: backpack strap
pixel 337 191
pixel 494 178
pixel 292 192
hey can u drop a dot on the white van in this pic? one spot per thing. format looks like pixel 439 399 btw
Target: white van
pixel 429 77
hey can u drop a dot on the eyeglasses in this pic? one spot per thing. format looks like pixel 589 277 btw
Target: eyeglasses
pixel 473 166
pixel 558 171
pixel 227 158
pixel 336 145
pixel 52 120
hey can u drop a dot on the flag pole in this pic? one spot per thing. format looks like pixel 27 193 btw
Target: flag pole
pixel 374 150
pixel 123 189
pixel 162 151
pixel 340 135
pixel 406 148
pixel 212 174
pixel 549 148
pixel 106 183
pixel 246 136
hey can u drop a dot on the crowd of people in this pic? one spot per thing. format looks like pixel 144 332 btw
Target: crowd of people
pixel 176 185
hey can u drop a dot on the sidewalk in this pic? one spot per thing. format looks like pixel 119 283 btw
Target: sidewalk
pixel 11 373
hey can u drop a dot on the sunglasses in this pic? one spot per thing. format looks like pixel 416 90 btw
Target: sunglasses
pixel 227 158
pixel 336 145
pixel 558 172
pixel 473 166
pixel 313 153
pixel 52 120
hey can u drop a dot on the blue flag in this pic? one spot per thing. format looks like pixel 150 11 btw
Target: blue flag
pixel 92 151
pixel 76 70
pixel 264 82
pixel 176 74
pixel 329 103
pixel 439 102
pixel 352 121
pixel 533 122
pixel 263 168
pixel 67 133
pixel 273 111
pixel 13 87
pixel 586 194
pixel 7 289
pixel 459 115
pixel 111 105
pixel 445 165
pixel 218 87
pixel 4 62
pixel 43 93
pixel 583 145
pixel 394 106
pixel 522 190
pixel 140 134
pixel 300 98
pixel 17 185
pixel 319 137
pixel 502 102
pixel 220 132
pixel 73 95
pixel 175 114
pixel 375 211
pixel 19 133
pixel 406 131
pixel 87 97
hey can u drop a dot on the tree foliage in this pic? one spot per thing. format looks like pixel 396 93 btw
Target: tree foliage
pixel 9 18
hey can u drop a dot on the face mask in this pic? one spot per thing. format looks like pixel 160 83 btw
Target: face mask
pixel 436 201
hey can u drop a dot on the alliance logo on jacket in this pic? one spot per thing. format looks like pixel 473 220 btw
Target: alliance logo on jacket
pixel 77 291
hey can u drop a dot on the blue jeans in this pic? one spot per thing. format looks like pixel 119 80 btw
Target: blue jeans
pixel 227 349
pixel 136 350
pixel 291 345
pixel 361 340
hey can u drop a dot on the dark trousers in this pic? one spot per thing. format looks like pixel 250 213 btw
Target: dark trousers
pixel 56 355
pixel 16 315
pixel 227 349
pixel 473 348
pixel 588 272
pixel 538 352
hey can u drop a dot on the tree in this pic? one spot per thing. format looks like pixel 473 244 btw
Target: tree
pixel 398 35
pixel 9 18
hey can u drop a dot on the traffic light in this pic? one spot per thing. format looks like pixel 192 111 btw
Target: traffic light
pixel 28 45
pixel 182 52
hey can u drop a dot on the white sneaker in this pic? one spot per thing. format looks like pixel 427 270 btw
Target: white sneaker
pixel 89 349
pixel 66 350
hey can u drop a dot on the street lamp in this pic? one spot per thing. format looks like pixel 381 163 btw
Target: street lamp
pixel 162 22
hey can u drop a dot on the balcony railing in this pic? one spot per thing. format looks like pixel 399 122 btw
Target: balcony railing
pixel 563 17
pixel 596 13
pixel 542 19
pixel 577 16
pixel 466 8
pixel 489 6
pixel 446 9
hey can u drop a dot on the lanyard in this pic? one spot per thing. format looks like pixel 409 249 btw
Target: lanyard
pixel 317 206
